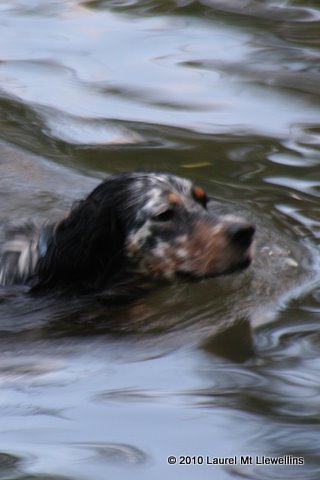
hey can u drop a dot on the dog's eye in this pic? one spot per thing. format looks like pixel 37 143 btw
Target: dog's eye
pixel 165 216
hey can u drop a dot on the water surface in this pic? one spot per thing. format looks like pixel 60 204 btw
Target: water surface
pixel 227 94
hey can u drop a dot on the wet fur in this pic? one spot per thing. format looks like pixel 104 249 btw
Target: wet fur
pixel 115 239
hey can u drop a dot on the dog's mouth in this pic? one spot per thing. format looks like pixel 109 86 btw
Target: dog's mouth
pixel 193 276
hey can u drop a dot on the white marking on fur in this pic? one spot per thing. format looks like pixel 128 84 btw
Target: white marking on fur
pixel 161 250
pixel 182 253
pixel 135 240
pixel 233 219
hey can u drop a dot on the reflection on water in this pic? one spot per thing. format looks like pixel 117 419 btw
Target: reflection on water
pixel 226 93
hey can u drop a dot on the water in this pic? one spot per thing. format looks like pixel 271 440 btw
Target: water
pixel 227 94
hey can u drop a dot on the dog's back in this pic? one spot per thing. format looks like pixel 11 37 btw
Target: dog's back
pixel 21 245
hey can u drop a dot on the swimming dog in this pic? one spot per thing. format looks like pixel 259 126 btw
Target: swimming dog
pixel 135 229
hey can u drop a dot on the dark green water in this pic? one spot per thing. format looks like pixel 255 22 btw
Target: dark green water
pixel 223 92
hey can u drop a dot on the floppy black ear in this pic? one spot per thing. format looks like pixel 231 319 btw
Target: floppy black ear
pixel 86 248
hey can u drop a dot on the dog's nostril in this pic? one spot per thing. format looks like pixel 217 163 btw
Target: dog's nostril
pixel 241 234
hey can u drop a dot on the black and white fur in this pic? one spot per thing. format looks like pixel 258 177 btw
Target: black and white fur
pixel 134 230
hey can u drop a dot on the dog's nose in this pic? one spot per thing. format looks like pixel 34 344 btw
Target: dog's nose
pixel 241 234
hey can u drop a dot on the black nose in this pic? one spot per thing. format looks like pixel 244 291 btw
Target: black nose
pixel 241 234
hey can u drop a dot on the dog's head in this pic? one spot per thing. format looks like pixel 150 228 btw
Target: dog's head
pixel 175 235
pixel 145 225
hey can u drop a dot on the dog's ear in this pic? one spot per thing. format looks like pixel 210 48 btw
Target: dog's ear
pixel 86 247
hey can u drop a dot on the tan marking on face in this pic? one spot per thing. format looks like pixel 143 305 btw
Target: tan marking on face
pixel 207 251
pixel 173 198
pixel 199 194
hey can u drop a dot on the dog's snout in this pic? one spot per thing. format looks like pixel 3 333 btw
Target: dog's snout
pixel 241 234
